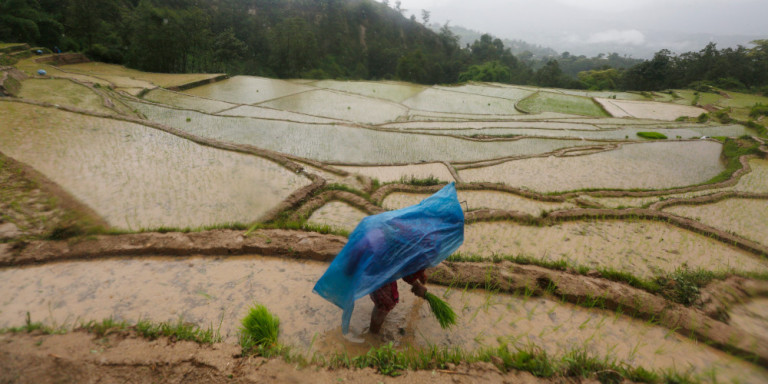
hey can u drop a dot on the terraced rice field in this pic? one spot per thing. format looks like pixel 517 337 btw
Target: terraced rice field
pixel 648 110
pixel 643 249
pixel 747 217
pixel 554 102
pixel 632 166
pixel 137 177
pixel 64 92
pixel 579 234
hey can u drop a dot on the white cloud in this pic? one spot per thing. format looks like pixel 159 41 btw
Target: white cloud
pixel 629 36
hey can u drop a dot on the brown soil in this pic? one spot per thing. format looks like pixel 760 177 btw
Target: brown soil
pixel 80 357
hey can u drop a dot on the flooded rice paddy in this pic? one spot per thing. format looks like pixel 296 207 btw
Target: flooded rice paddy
pixel 118 71
pixel 655 165
pixel 247 89
pixel 218 292
pixel 138 177
pixel 181 100
pixel 442 100
pixel 648 110
pixel 493 90
pixel 62 92
pixel 360 145
pixel 392 91
pixel 340 106
pixel 641 248
pixel 480 200
pixel 746 217
pixel 403 172
pixel 337 215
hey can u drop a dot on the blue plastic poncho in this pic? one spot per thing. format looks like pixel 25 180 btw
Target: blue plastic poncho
pixel 391 245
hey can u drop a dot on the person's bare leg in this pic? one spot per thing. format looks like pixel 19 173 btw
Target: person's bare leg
pixel 377 319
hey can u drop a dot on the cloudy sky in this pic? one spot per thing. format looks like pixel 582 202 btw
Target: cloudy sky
pixel 594 22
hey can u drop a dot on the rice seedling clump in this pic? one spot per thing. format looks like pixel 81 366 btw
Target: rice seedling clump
pixel 260 328
pixel 442 311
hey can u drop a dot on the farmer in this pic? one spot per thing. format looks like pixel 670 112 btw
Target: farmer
pixel 386 297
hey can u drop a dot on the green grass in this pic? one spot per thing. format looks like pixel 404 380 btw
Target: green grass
pixel 652 135
pixel 684 284
pixel 732 152
pixel 424 182
pixel 552 102
pixel 345 188
pixel 32 326
pixel 177 331
pixel 681 286
pixel 260 328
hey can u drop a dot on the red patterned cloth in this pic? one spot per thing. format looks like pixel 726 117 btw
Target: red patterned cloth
pixel 387 296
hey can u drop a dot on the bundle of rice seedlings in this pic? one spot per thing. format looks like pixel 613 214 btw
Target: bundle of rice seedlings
pixel 442 311
pixel 260 327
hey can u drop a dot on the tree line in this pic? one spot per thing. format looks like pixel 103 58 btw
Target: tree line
pixel 343 39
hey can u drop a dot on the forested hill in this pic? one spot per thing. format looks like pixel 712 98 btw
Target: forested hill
pixel 283 38
pixel 343 39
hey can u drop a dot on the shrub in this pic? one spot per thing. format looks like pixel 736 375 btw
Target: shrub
pixel 722 116
pixel 652 135
pixel 758 110
pixel 702 118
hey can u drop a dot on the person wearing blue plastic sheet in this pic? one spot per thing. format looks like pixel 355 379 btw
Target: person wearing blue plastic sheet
pixel 389 246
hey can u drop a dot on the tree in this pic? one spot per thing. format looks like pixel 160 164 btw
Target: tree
pixel 425 16
pixel 492 71
pixel 550 75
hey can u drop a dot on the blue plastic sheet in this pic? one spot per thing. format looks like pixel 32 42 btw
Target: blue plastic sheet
pixel 391 245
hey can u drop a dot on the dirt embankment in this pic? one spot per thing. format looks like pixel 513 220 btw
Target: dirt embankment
pixel 80 357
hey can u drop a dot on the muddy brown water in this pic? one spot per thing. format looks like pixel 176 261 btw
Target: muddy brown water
pixel 642 248
pixel 217 291
pixel 135 176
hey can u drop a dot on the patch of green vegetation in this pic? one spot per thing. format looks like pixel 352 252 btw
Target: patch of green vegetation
pixel 424 182
pixel 30 326
pixel 260 329
pixel 178 331
pixel 652 135
pixel 758 110
pixel 733 150
pixel 345 188
pixel 552 102
pixel 105 327
pixel 722 116
pixel 684 284
pixel 298 225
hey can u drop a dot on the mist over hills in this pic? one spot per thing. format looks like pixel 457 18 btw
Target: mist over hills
pixel 630 42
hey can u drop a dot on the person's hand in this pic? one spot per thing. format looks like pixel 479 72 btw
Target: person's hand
pixel 419 290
